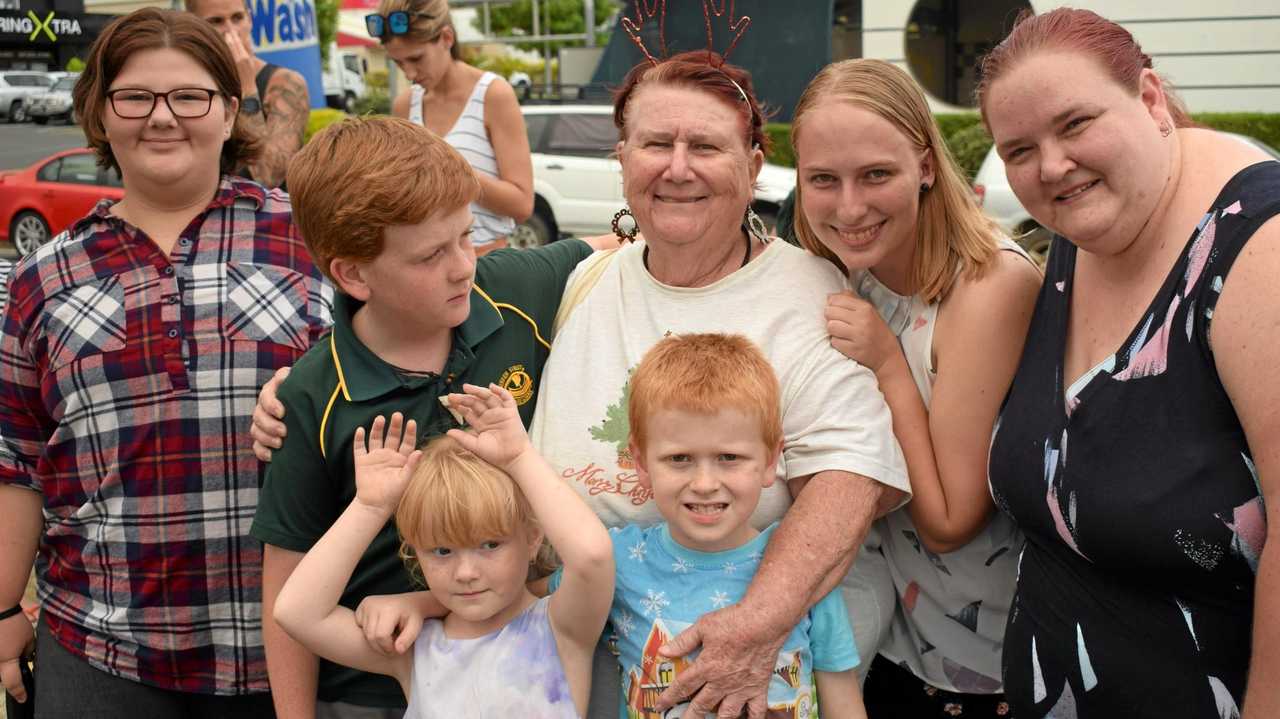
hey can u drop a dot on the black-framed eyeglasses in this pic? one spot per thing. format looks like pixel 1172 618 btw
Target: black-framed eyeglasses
pixel 394 23
pixel 189 103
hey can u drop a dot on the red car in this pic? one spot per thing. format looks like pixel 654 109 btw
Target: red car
pixel 46 198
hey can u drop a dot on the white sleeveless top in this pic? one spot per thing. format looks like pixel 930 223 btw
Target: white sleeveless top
pixel 513 672
pixel 948 627
pixel 469 137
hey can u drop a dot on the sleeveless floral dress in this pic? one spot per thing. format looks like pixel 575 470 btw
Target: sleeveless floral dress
pixel 1138 497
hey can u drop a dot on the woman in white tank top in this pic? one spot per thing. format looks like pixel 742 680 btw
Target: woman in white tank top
pixel 474 111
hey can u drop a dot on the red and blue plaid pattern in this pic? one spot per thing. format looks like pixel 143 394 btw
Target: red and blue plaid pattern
pixel 127 381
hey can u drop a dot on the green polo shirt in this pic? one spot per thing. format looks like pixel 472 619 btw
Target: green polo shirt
pixel 339 385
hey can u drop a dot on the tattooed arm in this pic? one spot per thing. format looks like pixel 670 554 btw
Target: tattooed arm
pixel 279 127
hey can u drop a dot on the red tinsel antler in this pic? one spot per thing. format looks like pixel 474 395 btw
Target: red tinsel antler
pixel 736 26
pixel 658 9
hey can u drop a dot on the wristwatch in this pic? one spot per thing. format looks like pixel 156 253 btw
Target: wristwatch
pixel 251 105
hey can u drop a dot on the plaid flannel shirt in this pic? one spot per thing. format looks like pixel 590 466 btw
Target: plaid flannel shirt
pixel 127 382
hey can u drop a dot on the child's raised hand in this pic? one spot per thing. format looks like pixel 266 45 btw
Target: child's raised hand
pixel 494 430
pixel 384 467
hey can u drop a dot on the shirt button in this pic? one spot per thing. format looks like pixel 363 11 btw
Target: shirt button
pixel 172 299
pixel 172 334
pixel 184 241
pixel 168 269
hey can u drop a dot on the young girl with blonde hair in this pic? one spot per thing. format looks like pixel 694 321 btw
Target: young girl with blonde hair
pixel 939 310
pixel 473 509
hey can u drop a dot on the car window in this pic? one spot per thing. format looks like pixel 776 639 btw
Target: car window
pixel 80 169
pixel 49 173
pixel 352 63
pixel 582 136
pixel 66 83
pixel 536 127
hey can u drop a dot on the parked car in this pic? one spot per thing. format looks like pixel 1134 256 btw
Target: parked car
pixel 54 103
pixel 44 199
pixel 17 87
pixel 998 201
pixel 577 183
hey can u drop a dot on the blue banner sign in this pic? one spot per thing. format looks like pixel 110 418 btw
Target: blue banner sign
pixel 285 33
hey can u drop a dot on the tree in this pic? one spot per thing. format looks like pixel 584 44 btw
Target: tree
pixel 326 26
pixel 558 17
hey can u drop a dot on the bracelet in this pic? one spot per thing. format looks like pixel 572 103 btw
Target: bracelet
pixel 15 609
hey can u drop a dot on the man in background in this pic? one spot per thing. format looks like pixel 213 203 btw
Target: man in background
pixel 275 105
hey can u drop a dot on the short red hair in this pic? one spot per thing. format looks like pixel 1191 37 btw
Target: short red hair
pixel 697 70
pixel 705 374
pixel 1079 31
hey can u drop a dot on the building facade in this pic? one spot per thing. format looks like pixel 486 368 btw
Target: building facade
pixel 1221 57
pixel 46 34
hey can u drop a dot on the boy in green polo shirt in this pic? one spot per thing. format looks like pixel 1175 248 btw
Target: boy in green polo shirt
pixel 384 207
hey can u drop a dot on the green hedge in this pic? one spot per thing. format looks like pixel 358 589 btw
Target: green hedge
pixel 319 120
pixel 969 142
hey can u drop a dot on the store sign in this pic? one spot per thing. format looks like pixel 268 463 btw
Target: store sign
pixel 284 32
pixel 40 28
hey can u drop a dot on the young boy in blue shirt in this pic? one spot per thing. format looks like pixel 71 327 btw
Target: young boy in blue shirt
pixel 706 432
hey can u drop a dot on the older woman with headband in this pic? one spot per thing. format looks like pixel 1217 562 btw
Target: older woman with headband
pixel 1139 449
pixel 472 110
pixel 692 142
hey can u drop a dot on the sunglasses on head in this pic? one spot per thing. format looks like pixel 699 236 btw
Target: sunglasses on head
pixel 393 23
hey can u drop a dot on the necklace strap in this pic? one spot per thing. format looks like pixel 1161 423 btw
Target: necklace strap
pixel 746 257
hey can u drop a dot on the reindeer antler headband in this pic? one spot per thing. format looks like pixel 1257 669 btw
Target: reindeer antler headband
pixel 649 9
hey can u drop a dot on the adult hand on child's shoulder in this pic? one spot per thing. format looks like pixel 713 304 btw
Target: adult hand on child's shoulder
pixel 733 670
pixel 384 467
pixel 268 429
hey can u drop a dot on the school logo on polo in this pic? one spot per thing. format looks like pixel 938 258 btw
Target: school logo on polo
pixel 518 382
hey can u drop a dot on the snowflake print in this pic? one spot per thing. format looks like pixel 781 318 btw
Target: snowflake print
pixel 729 567
pixel 719 600
pixel 680 566
pixel 637 551
pixel 654 603
pixel 624 624
pixel 756 555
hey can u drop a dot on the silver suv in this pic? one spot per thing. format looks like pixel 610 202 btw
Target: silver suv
pixel 17 87
pixel 54 102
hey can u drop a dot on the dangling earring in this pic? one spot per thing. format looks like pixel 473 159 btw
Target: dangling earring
pixel 1165 129
pixel 756 227
pixel 629 236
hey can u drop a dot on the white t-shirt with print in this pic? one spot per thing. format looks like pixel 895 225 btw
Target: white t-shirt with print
pixel 834 416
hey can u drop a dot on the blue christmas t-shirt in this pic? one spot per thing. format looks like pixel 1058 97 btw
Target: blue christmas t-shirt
pixel 663 587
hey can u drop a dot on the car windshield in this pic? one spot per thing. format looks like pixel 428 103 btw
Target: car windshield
pixel 66 83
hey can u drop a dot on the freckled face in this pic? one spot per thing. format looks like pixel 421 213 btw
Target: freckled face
pixel 1083 154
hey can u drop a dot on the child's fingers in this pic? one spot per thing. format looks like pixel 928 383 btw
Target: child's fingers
pixel 410 439
pixel 466 439
pixel 408 633
pixel 380 633
pixel 357 446
pixel 394 431
pixel 376 432
pixel 411 463
pixel 502 396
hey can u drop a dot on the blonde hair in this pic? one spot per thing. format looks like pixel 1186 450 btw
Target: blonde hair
pixel 952 233
pixel 457 499
pixel 427 19
pixel 704 374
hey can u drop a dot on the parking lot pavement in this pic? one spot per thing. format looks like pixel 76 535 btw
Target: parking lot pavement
pixel 24 143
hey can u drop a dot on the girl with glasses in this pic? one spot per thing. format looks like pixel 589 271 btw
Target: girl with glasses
pixel 130 354
pixel 472 110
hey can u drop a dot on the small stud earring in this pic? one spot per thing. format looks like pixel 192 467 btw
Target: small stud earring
pixel 924 187
pixel 1165 129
